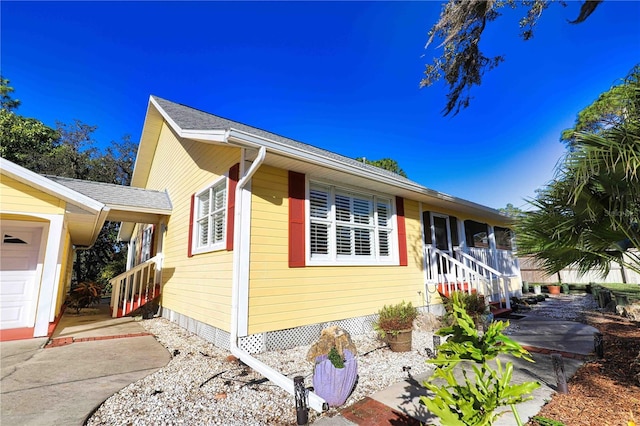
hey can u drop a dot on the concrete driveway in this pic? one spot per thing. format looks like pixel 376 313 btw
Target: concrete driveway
pixel 62 385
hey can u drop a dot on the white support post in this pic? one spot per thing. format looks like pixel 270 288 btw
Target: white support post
pixel 50 275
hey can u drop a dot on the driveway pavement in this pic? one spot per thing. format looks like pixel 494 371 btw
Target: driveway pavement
pixel 62 384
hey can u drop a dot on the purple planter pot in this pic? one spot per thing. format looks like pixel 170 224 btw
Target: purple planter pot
pixel 334 385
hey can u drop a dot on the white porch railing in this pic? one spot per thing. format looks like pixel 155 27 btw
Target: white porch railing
pixel 501 260
pixel 468 275
pixel 135 287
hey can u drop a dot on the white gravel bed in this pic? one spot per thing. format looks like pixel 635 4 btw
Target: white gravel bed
pixel 185 392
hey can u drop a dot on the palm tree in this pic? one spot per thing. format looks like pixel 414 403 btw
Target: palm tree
pixel 589 215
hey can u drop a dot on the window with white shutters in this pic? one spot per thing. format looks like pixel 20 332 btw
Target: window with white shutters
pixel 349 227
pixel 210 211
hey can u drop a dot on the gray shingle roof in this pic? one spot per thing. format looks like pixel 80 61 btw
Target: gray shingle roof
pixel 188 118
pixel 117 195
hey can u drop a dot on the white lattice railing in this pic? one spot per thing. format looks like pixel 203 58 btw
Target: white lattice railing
pixel 468 275
pixel 135 287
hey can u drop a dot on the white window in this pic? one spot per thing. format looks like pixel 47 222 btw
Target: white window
pixel 210 218
pixel 147 237
pixel 349 227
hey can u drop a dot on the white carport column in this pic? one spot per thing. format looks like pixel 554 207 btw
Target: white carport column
pixel 54 246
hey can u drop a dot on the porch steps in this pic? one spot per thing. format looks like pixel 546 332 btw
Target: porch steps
pixel 498 312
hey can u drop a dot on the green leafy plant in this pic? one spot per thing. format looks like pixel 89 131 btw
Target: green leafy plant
pixel 335 358
pixel 394 318
pixel 83 295
pixel 474 402
pixel 474 305
pixel 544 421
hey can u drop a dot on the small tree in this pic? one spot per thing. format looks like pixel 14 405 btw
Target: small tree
pixel 474 402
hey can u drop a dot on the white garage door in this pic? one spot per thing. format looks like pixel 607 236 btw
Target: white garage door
pixel 18 274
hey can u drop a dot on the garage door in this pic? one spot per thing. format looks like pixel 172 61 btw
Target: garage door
pixel 19 274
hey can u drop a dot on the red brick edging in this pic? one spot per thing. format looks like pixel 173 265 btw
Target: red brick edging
pixel 63 341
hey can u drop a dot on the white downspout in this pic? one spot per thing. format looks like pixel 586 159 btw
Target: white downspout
pixel 240 257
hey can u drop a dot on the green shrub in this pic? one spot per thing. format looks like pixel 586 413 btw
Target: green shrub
pixel 474 305
pixel 474 402
pixel 394 318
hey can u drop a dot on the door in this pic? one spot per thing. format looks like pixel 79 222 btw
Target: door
pixel 19 274
pixel 444 236
pixel 442 233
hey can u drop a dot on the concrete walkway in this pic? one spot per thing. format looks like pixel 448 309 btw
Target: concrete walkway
pixel 93 357
pixel 400 403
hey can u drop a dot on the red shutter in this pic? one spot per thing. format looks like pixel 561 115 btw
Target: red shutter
pixel 296 220
pixel 191 214
pixel 402 232
pixel 234 175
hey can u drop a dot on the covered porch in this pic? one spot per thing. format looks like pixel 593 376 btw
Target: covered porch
pixel 471 256
pixel 131 206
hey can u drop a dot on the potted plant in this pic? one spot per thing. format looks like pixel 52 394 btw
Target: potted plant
pixel 335 369
pixel 395 325
pixel 553 288
pixel 83 295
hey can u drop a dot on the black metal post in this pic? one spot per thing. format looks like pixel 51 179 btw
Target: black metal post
pixel 598 344
pixel 436 343
pixel 558 368
pixel 301 395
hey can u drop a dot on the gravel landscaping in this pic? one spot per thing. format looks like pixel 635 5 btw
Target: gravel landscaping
pixel 203 385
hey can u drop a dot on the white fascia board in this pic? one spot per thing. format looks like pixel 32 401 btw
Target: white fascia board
pixel 98 224
pixel 149 210
pixel 320 160
pixel 218 135
pixel 125 232
pixel 335 164
pixel 208 136
pixel 164 115
pixel 50 187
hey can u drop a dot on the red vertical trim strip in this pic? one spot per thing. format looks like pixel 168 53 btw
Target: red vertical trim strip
pixel 234 176
pixel 296 220
pixel 191 214
pixel 402 232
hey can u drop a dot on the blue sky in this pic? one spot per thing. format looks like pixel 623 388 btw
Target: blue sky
pixel 343 76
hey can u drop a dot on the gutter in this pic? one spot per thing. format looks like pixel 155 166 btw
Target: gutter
pixel 240 257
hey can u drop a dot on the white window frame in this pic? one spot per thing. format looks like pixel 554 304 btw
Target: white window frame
pixel 212 245
pixel 332 258
pixel 145 246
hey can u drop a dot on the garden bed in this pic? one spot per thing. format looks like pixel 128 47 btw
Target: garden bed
pixel 603 391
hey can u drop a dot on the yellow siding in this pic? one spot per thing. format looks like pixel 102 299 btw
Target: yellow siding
pixel 67 260
pixel 18 197
pixel 281 297
pixel 200 286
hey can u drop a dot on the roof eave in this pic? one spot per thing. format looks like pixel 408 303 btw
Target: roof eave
pixel 48 186
pixel 236 136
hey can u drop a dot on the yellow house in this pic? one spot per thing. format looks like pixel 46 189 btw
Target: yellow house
pixel 271 239
pixel 43 220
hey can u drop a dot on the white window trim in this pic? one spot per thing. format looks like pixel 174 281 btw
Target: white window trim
pixel 211 247
pixel 331 258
